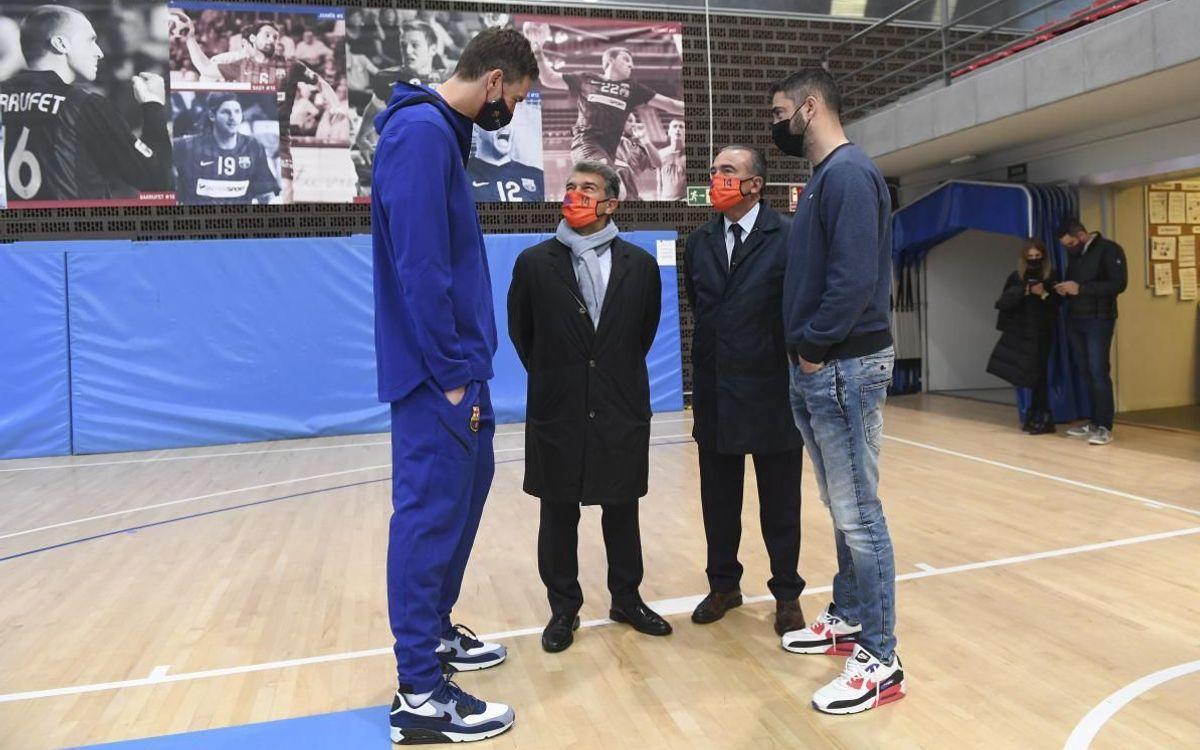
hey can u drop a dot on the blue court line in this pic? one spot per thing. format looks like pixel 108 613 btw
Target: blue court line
pixel 344 730
pixel 190 516
pixel 239 506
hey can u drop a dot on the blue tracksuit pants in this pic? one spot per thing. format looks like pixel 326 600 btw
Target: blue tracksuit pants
pixel 442 467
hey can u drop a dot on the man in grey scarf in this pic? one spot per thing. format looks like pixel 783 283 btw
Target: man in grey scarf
pixel 582 313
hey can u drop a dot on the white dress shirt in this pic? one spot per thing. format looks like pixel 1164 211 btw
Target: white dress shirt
pixel 747 225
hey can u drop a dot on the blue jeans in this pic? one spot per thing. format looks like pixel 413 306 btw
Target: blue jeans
pixel 839 410
pixel 1091 342
pixel 442 467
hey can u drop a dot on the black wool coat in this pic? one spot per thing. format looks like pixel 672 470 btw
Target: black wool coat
pixel 1026 323
pixel 587 432
pixel 739 356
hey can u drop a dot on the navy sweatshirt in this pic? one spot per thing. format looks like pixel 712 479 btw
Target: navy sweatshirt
pixel 838 284
pixel 433 293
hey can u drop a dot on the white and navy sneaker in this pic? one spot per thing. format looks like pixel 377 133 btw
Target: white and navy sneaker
pixel 446 715
pixel 462 651
pixel 1100 436
pixel 865 683
pixel 1082 431
pixel 828 634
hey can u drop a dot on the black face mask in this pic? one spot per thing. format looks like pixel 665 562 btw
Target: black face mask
pixel 1033 269
pixel 494 115
pixel 787 141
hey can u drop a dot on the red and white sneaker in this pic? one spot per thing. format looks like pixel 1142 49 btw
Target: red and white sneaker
pixel 828 634
pixel 865 683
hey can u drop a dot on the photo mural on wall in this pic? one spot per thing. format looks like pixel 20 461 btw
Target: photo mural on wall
pixel 207 103
pixel 83 103
pixel 293 54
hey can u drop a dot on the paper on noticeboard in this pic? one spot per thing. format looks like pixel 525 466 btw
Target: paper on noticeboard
pixel 1163 279
pixel 1193 208
pixel 1187 251
pixel 1176 208
pixel 1187 283
pixel 1162 248
pixel 1158 208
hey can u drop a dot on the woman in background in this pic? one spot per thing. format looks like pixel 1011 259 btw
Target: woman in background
pixel 1027 307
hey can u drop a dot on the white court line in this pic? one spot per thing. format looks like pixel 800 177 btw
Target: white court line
pixel 664 607
pixel 129 511
pixel 1155 504
pixel 924 566
pixel 1088 727
pixel 227 454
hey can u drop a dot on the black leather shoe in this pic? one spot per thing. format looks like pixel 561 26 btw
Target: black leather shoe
pixel 642 618
pixel 1045 427
pixel 559 633
pixel 714 606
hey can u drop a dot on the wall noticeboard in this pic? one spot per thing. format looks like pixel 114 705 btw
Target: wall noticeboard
pixel 1172 234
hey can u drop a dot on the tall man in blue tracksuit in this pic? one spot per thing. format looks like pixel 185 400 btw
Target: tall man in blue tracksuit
pixel 836 322
pixel 435 336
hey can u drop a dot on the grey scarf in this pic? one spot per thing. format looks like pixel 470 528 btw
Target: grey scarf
pixel 585 254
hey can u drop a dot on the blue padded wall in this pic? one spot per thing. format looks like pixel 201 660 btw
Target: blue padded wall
pixel 35 408
pixel 194 343
pixel 180 344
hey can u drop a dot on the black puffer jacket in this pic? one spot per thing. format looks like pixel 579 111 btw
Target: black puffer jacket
pixel 1101 274
pixel 1027 325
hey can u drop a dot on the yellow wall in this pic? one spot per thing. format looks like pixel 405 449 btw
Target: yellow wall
pixel 1157 344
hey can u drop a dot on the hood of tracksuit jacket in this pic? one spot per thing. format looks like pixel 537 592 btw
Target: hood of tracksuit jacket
pixel 408 94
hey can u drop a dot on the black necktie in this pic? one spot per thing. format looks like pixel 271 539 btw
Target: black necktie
pixel 737 246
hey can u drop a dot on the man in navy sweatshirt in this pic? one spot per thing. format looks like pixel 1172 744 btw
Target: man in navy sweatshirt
pixel 435 335
pixel 835 317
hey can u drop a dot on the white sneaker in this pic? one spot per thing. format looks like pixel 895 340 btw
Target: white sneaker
pixel 1101 436
pixel 446 715
pixel 1082 431
pixel 828 634
pixel 864 683
pixel 462 651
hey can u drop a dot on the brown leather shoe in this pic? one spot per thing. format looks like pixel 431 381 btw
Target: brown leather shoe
pixel 714 606
pixel 788 616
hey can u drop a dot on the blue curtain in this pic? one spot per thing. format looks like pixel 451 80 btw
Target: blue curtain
pixel 1017 210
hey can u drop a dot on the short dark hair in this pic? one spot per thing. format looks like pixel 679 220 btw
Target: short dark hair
pixel 257 26
pixel 811 82
pixel 1070 226
pixel 612 181
pixel 421 26
pixel 612 52
pixel 493 48
pixel 215 101
pixel 39 25
pixel 758 160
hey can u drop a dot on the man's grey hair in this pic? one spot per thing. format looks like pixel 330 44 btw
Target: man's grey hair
pixel 758 162
pixel 612 183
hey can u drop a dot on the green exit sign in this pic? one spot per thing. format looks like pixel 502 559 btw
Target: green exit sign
pixel 697 195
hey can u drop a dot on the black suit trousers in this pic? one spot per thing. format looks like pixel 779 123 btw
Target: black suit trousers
pixel 558 554
pixel 722 477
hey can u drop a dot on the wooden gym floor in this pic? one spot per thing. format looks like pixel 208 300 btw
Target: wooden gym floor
pixel 155 593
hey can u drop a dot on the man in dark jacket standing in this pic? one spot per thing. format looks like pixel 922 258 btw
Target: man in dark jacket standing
pixel 836 320
pixel 734 279
pixel 435 335
pixel 582 313
pixel 1096 274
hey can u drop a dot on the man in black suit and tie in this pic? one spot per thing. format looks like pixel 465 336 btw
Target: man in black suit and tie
pixel 734 278
pixel 583 311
